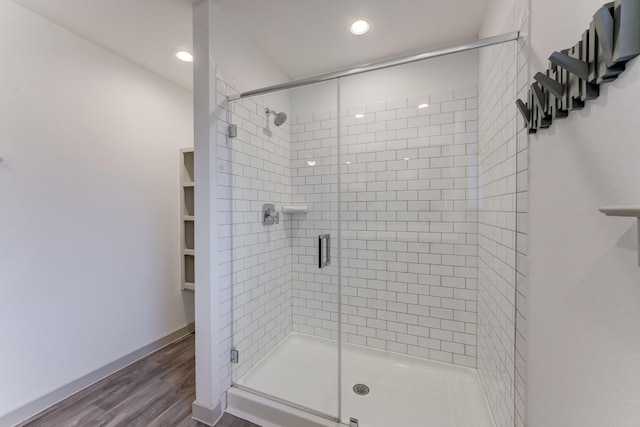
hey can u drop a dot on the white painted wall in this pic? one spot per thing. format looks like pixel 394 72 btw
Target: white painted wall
pixel 419 78
pixel 89 206
pixel 502 16
pixel 241 63
pixel 584 347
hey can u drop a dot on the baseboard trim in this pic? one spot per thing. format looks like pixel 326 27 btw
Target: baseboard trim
pixel 24 414
pixel 206 414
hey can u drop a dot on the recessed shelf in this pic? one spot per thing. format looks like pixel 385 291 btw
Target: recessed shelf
pixel 629 211
pixel 187 165
pixel 188 252
pixel 189 269
pixel 188 235
pixel 187 286
pixel 187 184
pixel 188 218
pixel 187 201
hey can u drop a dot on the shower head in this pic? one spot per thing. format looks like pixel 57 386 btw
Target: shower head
pixel 278 119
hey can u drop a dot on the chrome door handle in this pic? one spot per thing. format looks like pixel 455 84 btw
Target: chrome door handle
pixel 327 250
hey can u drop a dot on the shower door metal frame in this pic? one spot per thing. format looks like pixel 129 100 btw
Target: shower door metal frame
pixel 379 65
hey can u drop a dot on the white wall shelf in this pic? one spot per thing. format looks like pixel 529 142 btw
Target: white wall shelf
pixel 187 229
pixel 631 211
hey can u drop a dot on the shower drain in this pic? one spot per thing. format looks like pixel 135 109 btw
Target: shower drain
pixel 361 389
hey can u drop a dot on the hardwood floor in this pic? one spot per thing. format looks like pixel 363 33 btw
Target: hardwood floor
pixel 156 391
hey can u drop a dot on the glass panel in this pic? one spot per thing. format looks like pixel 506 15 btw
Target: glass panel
pixel 424 298
pixel 285 308
pixel 428 249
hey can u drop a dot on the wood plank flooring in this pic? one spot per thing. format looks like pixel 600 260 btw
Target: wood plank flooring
pixel 156 391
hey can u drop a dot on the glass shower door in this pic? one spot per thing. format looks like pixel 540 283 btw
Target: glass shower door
pixel 426 242
pixel 282 199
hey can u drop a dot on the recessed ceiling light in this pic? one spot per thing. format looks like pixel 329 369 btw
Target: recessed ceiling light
pixel 184 56
pixel 406 159
pixel 311 162
pixel 360 27
pixel 359 116
pixel 348 163
pixel 423 106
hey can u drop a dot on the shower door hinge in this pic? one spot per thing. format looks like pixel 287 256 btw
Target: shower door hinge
pixel 234 355
pixel 233 131
pixel 353 422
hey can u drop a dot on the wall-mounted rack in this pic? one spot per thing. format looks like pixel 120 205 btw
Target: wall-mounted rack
pixel 626 211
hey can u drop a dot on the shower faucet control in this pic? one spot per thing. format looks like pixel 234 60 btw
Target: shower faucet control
pixel 269 214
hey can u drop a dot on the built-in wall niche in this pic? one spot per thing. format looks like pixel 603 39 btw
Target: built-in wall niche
pixel 187 221
pixel 188 205
pixel 189 235
pixel 189 272
pixel 187 166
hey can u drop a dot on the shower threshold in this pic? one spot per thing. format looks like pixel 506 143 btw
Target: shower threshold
pixel 295 385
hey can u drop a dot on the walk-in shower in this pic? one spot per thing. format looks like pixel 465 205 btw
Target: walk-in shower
pixel 403 179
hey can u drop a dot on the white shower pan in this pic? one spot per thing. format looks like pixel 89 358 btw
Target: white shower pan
pixel 404 391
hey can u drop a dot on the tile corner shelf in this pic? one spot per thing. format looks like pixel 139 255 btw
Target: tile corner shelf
pixel 187 230
pixel 632 211
pixel 295 209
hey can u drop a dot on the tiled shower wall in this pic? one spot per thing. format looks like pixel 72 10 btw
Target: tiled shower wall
pixel 496 228
pixel 502 225
pixel 409 194
pixel 424 310
pixel 315 291
pixel 255 260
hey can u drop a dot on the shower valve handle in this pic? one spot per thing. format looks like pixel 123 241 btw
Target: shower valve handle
pixel 275 216
pixel 269 214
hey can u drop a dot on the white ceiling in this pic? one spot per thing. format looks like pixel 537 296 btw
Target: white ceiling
pixel 303 37
pixel 307 37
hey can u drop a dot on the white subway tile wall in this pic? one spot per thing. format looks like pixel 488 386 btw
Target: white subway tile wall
pixel 521 23
pixel 430 229
pixel 409 225
pixel 496 229
pixel 314 150
pixel 502 225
